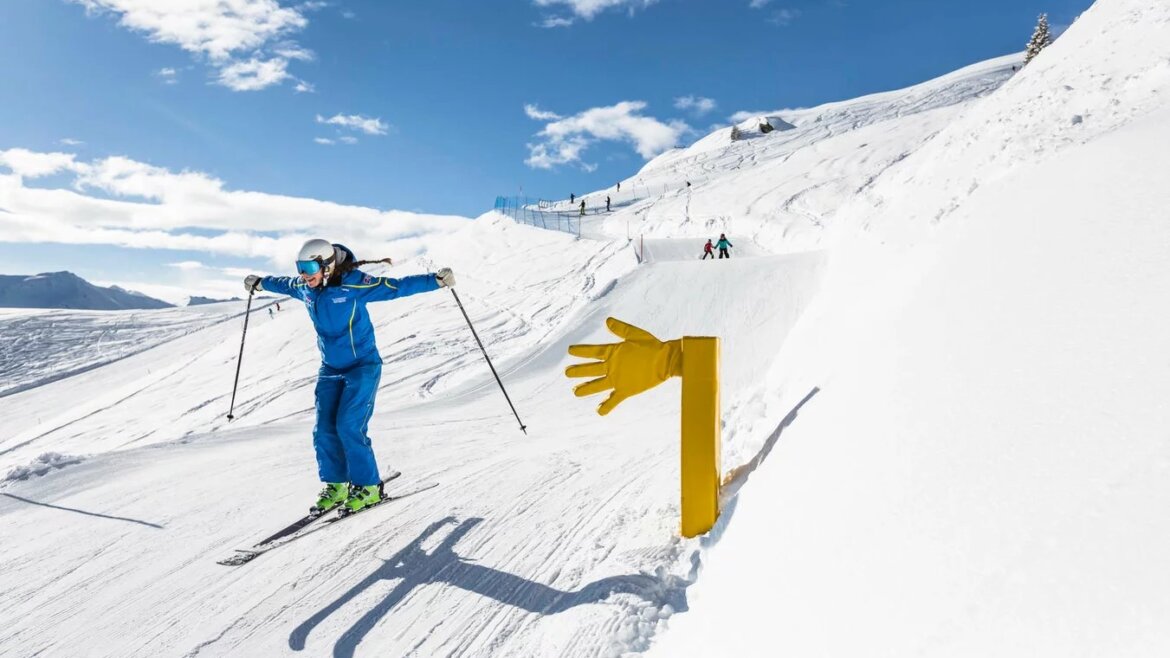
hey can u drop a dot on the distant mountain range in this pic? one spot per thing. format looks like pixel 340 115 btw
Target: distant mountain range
pixel 67 290
pixel 198 301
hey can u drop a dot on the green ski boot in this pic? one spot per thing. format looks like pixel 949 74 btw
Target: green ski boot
pixel 361 498
pixel 331 496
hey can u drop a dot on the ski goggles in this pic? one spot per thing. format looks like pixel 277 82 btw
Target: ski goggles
pixel 309 267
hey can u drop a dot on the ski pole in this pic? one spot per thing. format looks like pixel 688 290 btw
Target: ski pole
pixel 489 362
pixel 240 360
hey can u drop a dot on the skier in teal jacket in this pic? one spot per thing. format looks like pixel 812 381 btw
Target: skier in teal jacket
pixel 722 246
pixel 336 293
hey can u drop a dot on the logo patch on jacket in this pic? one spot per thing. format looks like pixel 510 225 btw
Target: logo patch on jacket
pixel 367 279
pixel 339 300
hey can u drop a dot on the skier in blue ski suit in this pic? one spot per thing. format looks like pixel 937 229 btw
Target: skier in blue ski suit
pixel 335 293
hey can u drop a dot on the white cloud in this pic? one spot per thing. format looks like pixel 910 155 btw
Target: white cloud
pixel 565 139
pixel 304 87
pixel 356 122
pixel 697 104
pixel 324 140
pixel 223 31
pixel 168 75
pixel 29 164
pixel 535 112
pixel 348 139
pixel 69 141
pixel 587 9
pixel 121 176
pixel 550 154
pixel 555 21
pixel 348 14
pixel 254 74
pixel 293 51
pixel 784 17
pixel 149 207
pixel 187 265
pixel 759 4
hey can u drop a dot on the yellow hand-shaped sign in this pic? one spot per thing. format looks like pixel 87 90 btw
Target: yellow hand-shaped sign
pixel 637 364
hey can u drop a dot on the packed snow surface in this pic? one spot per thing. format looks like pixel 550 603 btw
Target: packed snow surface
pixel 943 383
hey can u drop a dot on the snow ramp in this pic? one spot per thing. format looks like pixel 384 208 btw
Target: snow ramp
pixel 674 249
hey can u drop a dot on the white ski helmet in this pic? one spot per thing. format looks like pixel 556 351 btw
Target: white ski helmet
pixel 315 256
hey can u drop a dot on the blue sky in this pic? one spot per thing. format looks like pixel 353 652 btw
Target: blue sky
pixel 415 106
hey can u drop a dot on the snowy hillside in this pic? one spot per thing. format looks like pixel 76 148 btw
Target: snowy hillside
pixel 943 378
pixel 785 189
pixel 50 344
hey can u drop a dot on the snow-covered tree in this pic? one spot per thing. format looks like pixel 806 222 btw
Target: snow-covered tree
pixel 1040 40
pixel 735 136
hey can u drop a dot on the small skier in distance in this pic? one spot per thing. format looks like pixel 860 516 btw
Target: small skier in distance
pixel 708 250
pixel 607 204
pixel 336 293
pixel 723 245
pixel 582 207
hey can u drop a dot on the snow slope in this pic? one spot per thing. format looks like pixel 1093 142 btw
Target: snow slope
pixel 42 345
pixel 784 189
pixel 559 542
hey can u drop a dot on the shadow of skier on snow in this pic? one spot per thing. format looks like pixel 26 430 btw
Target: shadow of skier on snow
pixel 415 567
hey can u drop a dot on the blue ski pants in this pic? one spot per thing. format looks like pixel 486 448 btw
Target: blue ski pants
pixel 345 401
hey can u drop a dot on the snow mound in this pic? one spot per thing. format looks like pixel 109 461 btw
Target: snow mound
pixel 44 463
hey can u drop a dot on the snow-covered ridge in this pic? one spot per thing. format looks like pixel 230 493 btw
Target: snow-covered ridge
pixel 837 117
pixel 1109 68
pixel 67 290
pixel 784 189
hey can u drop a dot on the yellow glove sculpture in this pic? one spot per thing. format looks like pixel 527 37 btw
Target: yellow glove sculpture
pixel 637 364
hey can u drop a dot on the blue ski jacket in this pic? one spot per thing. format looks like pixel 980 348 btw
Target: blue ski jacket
pixel 345 334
